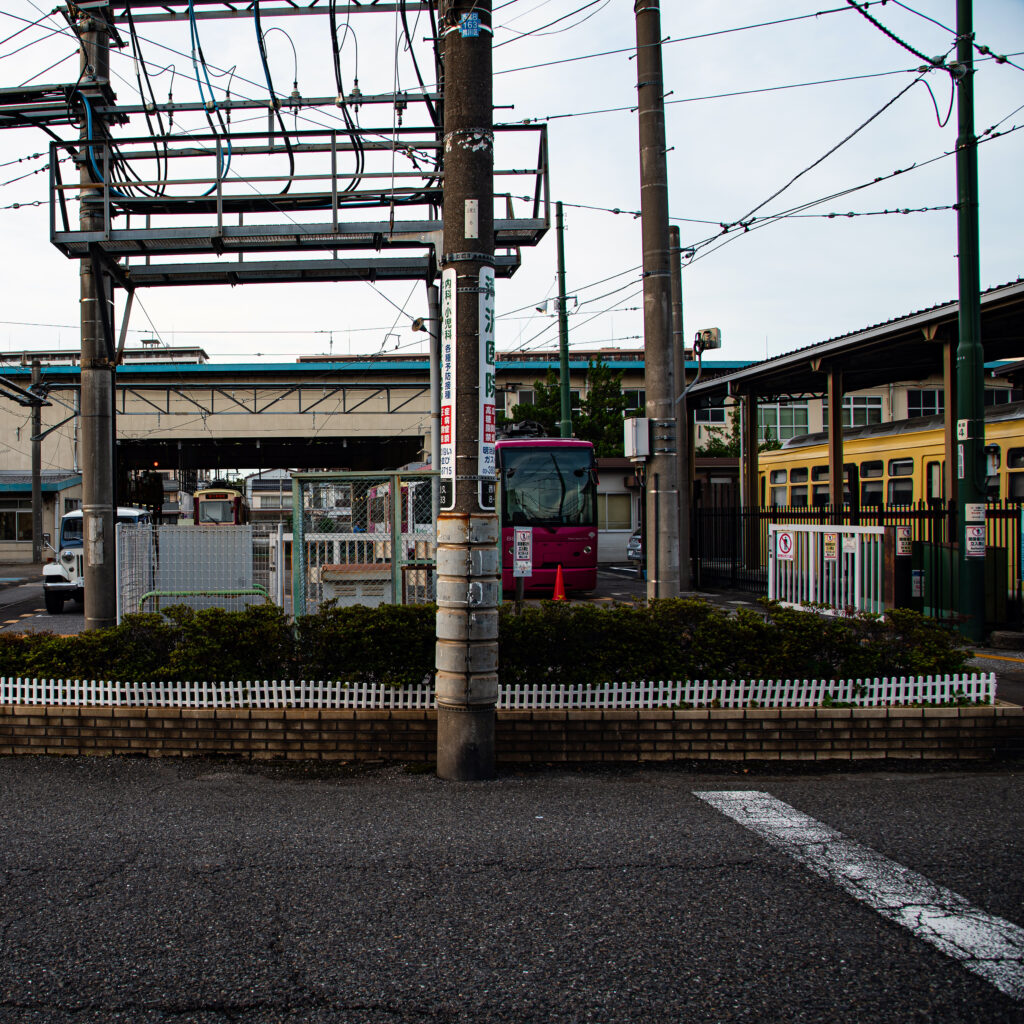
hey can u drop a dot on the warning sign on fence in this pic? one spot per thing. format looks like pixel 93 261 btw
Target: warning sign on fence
pixel 830 546
pixel 902 540
pixel 975 541
pixel 785 542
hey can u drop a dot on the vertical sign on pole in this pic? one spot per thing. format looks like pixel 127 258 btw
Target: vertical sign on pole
pixel 447 461
pixel 522 551
pixel 487 425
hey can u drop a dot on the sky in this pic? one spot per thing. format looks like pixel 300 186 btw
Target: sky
pixel 771 106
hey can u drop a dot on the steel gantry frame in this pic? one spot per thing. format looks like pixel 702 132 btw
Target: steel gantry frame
pixel 453 170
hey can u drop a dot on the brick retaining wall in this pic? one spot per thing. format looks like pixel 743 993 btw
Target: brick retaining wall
pixel 787 734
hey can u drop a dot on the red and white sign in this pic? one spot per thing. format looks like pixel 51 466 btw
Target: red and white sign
pixel 448 380
pixel 488 390
pixel 785 545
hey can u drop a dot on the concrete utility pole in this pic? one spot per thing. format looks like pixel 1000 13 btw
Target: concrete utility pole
pixel 565 427
pixel 468 565
pixel 970 360
pixel 662 466
pixel 97 370
pixel 37 469
pixel 684 440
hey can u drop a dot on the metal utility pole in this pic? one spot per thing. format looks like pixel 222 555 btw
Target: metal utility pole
pixel 970 360
pixel 662 466
pixel 563 329
pixel 37 469
pixel 683 439
pixel 97 378
pixel 468 565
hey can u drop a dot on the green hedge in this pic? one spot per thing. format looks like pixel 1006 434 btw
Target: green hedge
pixel 554 642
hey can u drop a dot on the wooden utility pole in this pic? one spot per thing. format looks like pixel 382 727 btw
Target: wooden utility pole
pixel 662 534
pixel 468 561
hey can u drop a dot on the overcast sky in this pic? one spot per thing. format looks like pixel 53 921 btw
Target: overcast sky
pixel 781 285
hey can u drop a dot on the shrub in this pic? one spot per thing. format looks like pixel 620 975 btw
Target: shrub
pixel 392 644
pixel 553 643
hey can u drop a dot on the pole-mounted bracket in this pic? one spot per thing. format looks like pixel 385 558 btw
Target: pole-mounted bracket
pixel 461 257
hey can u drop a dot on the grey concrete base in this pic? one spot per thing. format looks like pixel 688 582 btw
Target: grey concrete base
pixel 465 743
pixel 1006 640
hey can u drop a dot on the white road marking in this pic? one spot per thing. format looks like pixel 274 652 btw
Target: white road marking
pixel 990 946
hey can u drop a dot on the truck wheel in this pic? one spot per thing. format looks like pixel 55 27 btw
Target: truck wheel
pixel 54 602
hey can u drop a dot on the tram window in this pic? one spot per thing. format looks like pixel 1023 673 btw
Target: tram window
pixel 798 476
pixel 798 496
pixel 871 491
pixel 933 476
pixel 1015 486
pixel 993 460
pixel 901 491
pixel 901 467
pixel 819 472
pixel 821 495
pixel 779 495
pixel 871 469
pixel 1015 458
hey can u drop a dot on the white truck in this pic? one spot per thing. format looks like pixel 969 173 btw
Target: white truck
pixel 63 577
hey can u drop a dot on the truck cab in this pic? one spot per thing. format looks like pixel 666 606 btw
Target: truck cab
pixel 63 576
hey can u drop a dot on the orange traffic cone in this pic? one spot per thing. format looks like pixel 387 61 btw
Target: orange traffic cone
pixel 559 594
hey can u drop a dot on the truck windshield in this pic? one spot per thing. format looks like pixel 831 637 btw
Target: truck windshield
pixel 71 529
pixel 547 487
pixel 71 533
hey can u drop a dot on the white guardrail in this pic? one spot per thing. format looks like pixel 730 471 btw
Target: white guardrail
pixel 841 567
pixel 645 694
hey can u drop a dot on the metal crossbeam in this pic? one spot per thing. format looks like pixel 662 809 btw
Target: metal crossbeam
pixel 412 268
pixel 178 10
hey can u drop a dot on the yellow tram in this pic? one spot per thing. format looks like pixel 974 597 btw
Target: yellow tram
pixel 894 463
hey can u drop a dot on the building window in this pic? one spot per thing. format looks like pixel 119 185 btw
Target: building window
pixel 613 512
pixel 636 400
pixel 526 396
pixel 861 410
pixel 1002 396
pixel 780 421
pixel 925 402
pixel 70 504
pixel 713 412
pixel 16 519
pixel 275 501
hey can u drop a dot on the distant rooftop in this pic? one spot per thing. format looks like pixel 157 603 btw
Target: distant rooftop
pixel 72 357
pixel 16 481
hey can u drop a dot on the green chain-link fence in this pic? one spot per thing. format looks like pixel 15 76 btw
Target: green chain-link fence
pixel 363 538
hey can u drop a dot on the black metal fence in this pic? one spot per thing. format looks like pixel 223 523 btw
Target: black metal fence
pixel 730 551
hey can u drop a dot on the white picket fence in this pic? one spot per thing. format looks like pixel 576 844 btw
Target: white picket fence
pixel 786 693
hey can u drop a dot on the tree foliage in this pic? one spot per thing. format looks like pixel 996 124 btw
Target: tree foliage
pixel 599 418
pixel 724 441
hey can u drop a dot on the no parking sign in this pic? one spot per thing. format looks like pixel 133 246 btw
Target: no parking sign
pixel 785 543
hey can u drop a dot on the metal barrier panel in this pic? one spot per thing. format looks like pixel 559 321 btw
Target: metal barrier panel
pixel 198 566
pixel 842 568
pixel 364 539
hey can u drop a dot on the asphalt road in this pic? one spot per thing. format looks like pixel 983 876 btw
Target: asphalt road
pixel 206 892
